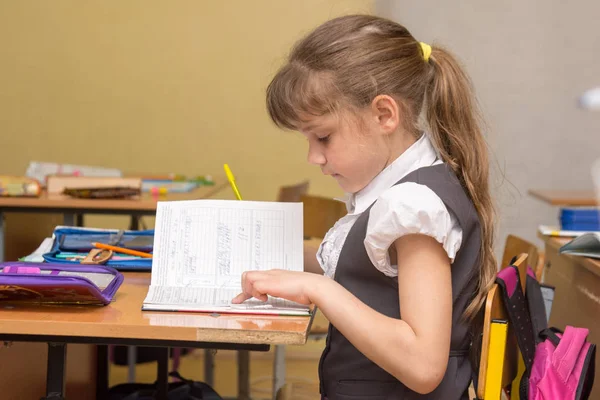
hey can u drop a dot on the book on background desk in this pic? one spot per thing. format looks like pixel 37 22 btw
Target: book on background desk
pixel 202 247
pixel 586 245
pixel 41 170
pixel 554 231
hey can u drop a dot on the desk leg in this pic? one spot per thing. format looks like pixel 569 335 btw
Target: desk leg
pixel 101 372
pixel 162 377
pixel 69 219
pixel 278 369
pixel 134 222
pixel 209 367
pixel 131 363
pixel 243 375
pixel 79 220
pixel 1 236
pixel 55 374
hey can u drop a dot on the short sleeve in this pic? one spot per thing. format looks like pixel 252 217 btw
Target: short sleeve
pixel 409 208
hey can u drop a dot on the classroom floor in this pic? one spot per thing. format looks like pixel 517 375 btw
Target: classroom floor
pixel 301 366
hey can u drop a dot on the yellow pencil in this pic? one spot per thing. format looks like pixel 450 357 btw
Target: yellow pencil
pixel 231 180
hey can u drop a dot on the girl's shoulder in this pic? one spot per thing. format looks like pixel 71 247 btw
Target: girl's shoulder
pixel 409 208
pixel 410 196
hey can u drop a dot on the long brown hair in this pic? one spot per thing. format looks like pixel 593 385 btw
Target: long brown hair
pixel 349 60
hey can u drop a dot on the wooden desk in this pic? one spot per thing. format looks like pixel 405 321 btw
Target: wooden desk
pixel 577 295
pixel 145 204
pixel 566 197
pixel 68 206
pixel 123 323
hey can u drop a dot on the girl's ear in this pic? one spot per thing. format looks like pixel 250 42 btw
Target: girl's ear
pixel 386 113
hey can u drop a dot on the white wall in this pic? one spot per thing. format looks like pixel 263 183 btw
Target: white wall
pixel 529 61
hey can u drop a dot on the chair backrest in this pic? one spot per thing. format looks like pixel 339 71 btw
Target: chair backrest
pixel 320 214
pixel 514 246
pixel 293 193
pixel 496 310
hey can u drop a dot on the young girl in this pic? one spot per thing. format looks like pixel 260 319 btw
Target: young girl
pixel 407 270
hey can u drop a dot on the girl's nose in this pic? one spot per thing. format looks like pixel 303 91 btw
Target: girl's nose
pixel 315 156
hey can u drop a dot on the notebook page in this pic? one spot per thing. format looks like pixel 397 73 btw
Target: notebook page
pixel 209 298
pixel 209 243
pixel 190 296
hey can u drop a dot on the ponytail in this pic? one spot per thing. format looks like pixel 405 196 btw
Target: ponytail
pixel 454 122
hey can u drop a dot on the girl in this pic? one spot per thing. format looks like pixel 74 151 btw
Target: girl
pixel 407 270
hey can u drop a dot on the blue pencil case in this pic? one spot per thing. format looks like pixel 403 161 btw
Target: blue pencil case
pixel 80 240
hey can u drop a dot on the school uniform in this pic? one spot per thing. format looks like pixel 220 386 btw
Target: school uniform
pixel 417 193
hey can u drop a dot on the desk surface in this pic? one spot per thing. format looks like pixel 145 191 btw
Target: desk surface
pixel 145 203
pixel 123 319
pixel 566 197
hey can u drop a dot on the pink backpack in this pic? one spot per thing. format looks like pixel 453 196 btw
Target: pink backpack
pixel 557 365
pixel 563 367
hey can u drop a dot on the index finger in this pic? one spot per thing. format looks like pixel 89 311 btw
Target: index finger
pixel 240 298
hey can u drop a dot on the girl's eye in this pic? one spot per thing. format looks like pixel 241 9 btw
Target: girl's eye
pixel 324 139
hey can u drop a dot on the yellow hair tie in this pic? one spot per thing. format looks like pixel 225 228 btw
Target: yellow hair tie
pixel 426 51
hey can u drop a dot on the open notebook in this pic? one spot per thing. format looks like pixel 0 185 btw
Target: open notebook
pixel 201 248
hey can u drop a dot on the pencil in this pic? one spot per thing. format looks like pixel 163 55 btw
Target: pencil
pixel 231 180
pixel 121 250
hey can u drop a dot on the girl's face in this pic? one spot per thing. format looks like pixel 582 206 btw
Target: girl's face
pixel 348 148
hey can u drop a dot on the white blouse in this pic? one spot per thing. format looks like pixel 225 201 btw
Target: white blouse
pixel 399 210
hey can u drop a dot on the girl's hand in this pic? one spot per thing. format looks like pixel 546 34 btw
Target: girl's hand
pixel 294 286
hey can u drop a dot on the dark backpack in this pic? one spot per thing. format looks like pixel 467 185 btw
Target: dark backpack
pixel 183 390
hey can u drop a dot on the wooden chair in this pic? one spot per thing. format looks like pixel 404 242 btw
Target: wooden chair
pixel 515 245
pixel 320 214
pixel 293 193
pixel 496 310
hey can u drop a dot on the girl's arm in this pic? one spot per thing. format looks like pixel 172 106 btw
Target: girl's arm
pixel 414 349
pixel 310 257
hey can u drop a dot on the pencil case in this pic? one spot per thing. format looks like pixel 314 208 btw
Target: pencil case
pixel 49 283
pixel 79 240
pixel 115 192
